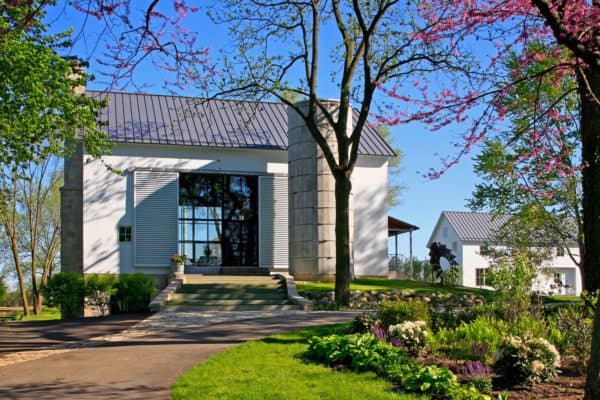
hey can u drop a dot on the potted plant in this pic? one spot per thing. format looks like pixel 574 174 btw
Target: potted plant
pixel 179 262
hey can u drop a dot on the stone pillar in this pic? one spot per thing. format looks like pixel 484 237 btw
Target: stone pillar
pixel 311 200
pixel 71 213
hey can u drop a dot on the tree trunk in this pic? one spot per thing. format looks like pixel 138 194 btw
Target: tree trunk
pixel 589 90
pixel 21 278
pixel 343 187
pixel 23 291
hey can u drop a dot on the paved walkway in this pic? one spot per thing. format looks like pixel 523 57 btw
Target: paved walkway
pixel 143 362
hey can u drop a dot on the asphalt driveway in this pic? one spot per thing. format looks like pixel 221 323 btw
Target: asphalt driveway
pixel 144 367
pixel 42 335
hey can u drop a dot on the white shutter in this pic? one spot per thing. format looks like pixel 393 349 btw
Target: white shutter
pixel 155 228
pixel 273 221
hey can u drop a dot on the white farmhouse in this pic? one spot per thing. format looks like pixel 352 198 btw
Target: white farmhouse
pixel 468 235
pixel 230 184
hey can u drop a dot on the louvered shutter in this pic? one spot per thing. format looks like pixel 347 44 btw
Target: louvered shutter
pixel 273 221
pixel 155 228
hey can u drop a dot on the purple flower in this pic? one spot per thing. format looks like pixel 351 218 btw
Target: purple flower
pixel 396 342
pixel 480 348
pixel 475 368
pixel 379 333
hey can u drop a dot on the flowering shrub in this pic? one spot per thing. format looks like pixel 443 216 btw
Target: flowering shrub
pixel 411 335
pixel 527 359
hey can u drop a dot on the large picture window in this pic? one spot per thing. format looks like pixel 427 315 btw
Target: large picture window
pixel 218 219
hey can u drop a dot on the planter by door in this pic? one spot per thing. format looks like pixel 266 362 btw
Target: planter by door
pixel 179 268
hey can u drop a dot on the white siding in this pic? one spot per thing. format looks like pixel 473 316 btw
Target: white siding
pixel 469 258
pixel 109 203
pixel 369 201
pixel 108 197
pixel 155 228
pixel 273 221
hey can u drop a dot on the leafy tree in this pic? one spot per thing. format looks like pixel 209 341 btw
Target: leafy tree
pixel 374 44
pixel 514 183
pixel 570 29
pixel 40 112
pixel 30 218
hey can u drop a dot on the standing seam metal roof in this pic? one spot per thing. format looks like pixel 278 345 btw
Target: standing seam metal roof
pixel 475 226
pixel 162 119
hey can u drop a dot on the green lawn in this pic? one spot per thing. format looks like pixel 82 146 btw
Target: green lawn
pixel 381 284
pixel 47 313
pixel 562 299
pixel 272 369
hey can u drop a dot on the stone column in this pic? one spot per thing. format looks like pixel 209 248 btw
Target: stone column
pixel 71 213
pixel 311 200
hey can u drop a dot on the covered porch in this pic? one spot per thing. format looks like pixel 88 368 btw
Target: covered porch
pixel 400 265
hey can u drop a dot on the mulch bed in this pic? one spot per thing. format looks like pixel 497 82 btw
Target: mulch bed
pixel 569 385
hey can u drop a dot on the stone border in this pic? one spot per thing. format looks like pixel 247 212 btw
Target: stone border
pixel 292 292
pixel 165 295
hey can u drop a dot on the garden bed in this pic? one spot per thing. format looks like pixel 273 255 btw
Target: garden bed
pixel 568 385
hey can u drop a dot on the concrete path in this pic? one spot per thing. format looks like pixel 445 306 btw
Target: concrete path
pixel 142 366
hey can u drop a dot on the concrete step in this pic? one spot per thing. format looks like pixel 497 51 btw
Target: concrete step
pixel 231 293
pixel 218 288
pixel 244 307
pixel 244 271
pixel 216 279
pixel 227 302
pixel 230 296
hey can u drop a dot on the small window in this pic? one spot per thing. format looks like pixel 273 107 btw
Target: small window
pixel 560 251
pixel 484 250
pixel 124 234
pixel 480 276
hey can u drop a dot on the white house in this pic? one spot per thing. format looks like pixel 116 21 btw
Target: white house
pixel 229 184
pixel 467 235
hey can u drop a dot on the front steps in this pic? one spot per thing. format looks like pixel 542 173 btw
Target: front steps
pixel 231 293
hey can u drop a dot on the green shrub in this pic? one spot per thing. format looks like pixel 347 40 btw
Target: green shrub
pixel 439 381
pixel 361 352
pixel 450 319
pixel 575 324
pixel 98 291
pixel 66 290
pixel 528 325
pixel 483 383
pixel 429 379
pixel 528 359
pixel 364 352
pixel 458 343
pixel 395 312
pixel 133 293
pixel 361 323
pixel 3 291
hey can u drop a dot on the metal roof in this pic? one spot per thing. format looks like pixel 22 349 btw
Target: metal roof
pixel 162 119
pixel 475 226
pixel 397 227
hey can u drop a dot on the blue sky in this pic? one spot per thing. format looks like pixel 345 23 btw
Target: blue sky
pixel 422 200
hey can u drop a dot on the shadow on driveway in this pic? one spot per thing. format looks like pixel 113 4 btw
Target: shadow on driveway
pixel 42 335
